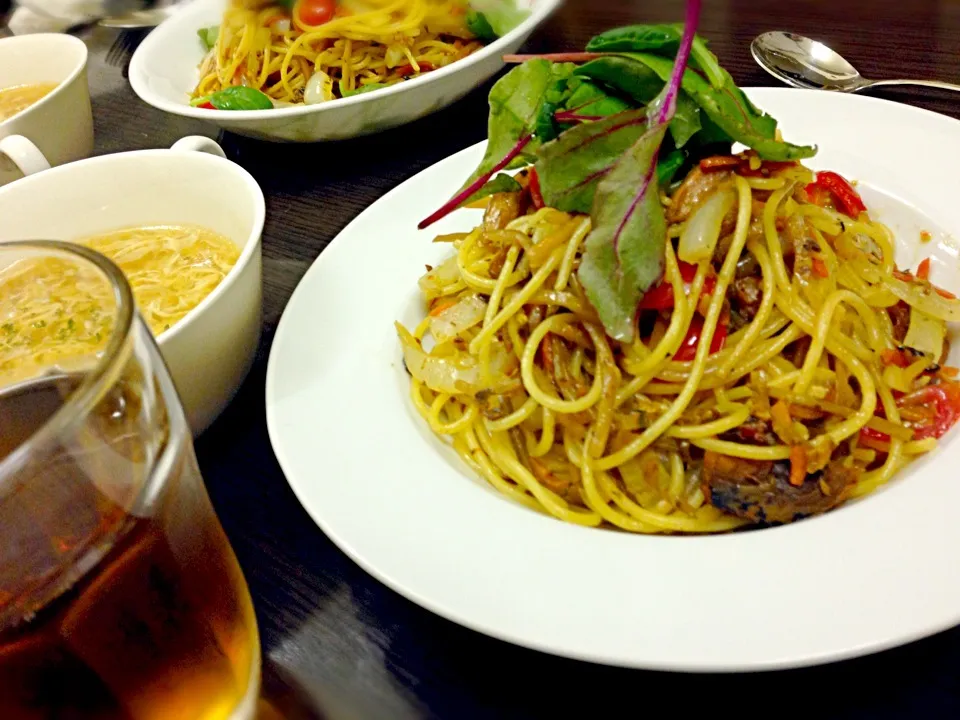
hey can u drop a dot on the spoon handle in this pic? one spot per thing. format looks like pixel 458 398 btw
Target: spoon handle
pixel 926 83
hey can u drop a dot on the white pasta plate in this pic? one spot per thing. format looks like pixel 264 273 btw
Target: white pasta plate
pixel 165 70
pixel 875 573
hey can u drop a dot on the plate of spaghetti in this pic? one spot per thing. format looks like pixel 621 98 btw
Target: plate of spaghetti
pixel 675 389
pixel 309 70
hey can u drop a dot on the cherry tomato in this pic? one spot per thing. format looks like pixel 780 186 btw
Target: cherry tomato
pixel 316 12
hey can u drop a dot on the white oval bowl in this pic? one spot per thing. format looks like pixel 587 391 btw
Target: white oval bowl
pixel 165 70
pixel 210 351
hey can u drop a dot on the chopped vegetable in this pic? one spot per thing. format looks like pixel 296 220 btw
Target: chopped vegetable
pixel 209 36
pixel 660 296
pixel 370 87
pixel 847 199
pixel 798 465
pixel 478 24
pixel 946 401
pixel 453 319
pixel 702 230
pixel 313 13
pixel 688 348
pixel 501 16
pixel 925 334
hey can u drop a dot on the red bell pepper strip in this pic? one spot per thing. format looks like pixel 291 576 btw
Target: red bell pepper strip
pixel 660 296
pixel 847 199
pixel 947 409
pixel 688 348
pixel 536 197
pixel 207 106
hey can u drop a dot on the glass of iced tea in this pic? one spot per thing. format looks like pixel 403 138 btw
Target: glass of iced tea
pixel 120 596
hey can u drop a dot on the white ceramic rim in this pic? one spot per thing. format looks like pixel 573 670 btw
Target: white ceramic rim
pixel 537 15
pixel 76 43
pixel 882 564
pixel 253 242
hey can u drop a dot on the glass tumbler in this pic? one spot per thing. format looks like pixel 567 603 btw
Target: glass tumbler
pixel 120 596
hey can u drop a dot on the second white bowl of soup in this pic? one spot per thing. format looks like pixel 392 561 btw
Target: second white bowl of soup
pixel 45 114
pixel 185 227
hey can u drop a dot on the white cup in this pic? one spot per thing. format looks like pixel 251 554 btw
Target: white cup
pixel 59 128
pixel 210 351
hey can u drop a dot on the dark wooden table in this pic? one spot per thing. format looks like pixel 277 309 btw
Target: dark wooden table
pixel 340 643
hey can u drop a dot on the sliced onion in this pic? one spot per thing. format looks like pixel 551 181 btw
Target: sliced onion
pixel 443 276
pixel 700 234
pixel 460 373
pixel 395 56
pixel 924 298
pixel 457 318
pixel 282 25
pixel 318 89
pixel 925 334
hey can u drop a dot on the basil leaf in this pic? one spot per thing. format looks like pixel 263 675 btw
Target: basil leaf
pixel 478 24
pixel 501 15
pixel 364 89
pixel 570 167
pixel 240 98
pixel 208 36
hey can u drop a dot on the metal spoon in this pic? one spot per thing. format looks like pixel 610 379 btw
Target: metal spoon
pixel 806 63
pixel 138 19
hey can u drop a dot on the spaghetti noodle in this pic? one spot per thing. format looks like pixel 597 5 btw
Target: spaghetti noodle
pixel 365 45
pixel 785 375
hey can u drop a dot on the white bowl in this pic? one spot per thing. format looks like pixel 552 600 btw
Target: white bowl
pixel 209 352
pixel 164 71
pixel 59 128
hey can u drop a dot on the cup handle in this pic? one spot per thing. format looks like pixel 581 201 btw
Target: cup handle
pixel 199 143
pixel 24 154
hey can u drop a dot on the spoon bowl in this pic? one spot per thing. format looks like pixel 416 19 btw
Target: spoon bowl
pixel 805 63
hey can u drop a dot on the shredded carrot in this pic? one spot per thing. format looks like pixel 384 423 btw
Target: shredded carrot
pixel 950 372
pixel 820 268
pixel 441 306
pixel 546 348
pixel 798 465
pixel 923 269
pixel 895 357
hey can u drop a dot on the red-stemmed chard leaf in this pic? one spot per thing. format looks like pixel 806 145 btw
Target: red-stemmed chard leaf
pixel 515 103
pixel 568 57
pixel 474 187
pixel 624 253
pixel 570 167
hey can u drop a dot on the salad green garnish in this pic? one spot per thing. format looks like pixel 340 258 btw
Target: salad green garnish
pixel 605 130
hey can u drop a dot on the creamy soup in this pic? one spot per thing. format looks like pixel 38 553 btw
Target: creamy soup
pixel 16 99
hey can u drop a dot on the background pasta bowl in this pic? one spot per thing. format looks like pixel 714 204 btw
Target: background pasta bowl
pixel 164 71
